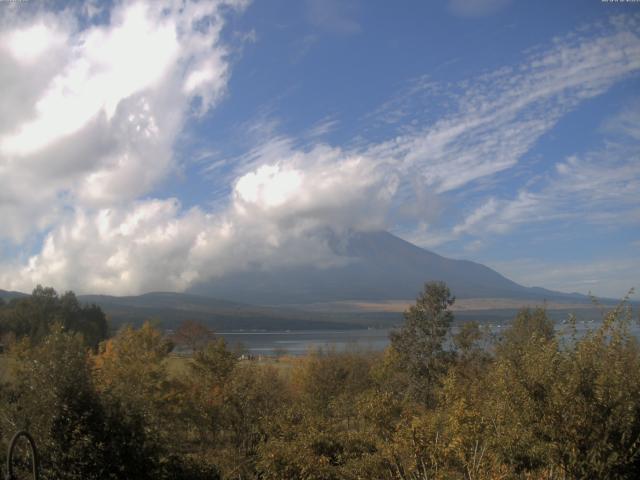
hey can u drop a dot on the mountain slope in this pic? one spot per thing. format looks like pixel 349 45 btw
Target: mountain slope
pixel 9 295
pixel 381 266
pixel 172 308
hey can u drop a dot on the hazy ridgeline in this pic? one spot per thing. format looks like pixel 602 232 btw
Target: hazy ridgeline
pixel 530 404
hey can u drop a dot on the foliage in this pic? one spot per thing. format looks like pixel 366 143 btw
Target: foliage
pixel 192 335
pixel 437 404
pixel 420 342
pixel 571 406
pixel 53 397
pixel 34 316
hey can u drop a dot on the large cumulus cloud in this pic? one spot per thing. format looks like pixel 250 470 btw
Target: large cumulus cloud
pixel 278 215
pixel 89 115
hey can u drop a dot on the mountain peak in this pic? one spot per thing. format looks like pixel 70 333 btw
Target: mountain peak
pixel 380 266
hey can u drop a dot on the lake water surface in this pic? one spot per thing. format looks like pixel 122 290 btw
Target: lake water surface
pixel 300 342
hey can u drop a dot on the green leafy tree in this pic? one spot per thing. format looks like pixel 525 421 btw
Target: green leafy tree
pixel 568 407
pixel 34 316
pixel 212 365
pixel 420 342
pixel 530 325
pixel 130 371
pixel 192 335
pixel 78 435
pixel 209 371
pixel 327 381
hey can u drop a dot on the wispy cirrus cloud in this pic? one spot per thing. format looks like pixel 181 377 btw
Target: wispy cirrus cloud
pixel 599 188
pixel 489 123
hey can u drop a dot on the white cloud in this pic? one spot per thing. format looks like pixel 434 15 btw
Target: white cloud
pixel 268 187
pixel 324 185
pixel 500 217
pixel 625 123
pixel 599 188
pixel 322 128
pixel 115 250
pixel 280 214
pixel 95 122
pixel 30 44
pixel 94 81
pixel 477 217
pixel 425 236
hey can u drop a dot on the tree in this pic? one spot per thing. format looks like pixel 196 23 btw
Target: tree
pixel 78 435
pixel 193 335
pixel 213 364
pixel 209 370
pixel 529 325
pixel 132 377
pixel 34 316
pixel 328 381
pixel 467 338
pixel 420 342
pixel 252 396
pixel 131 372
pixel 568 406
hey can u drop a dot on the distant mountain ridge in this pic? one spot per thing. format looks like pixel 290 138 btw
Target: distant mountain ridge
pixel 172 308
pixel 8 295
pixel 382 267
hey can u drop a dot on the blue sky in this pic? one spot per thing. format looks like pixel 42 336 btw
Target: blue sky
pixel 151 146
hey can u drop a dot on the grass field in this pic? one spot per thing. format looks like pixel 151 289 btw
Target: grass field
pixel 178 365
pixel 5 368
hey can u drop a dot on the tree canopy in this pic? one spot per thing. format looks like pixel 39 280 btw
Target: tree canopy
pixel 419 344
pixel 35 315
pixel 441 402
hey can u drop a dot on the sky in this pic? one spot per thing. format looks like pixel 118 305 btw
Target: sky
pixel 154 145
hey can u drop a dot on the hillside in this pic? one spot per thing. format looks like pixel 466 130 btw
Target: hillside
pixel 8 295
pixel 172 308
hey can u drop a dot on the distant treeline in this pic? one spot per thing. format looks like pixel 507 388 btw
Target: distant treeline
pixel 526 405
pixel 33 317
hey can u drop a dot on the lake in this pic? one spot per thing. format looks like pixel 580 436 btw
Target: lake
pixel 299 342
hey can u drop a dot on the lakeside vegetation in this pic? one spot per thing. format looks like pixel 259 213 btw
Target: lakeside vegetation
pixel 530 404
